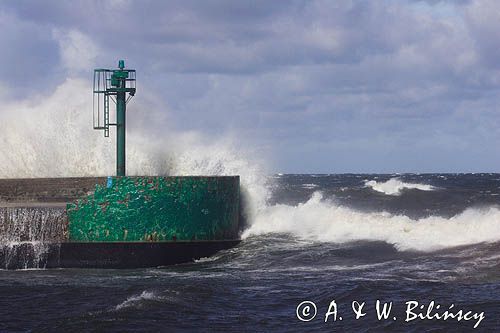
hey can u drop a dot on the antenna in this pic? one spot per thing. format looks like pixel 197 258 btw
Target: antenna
pixel 114 84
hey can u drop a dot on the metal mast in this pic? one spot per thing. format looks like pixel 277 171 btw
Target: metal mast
pixel 114 84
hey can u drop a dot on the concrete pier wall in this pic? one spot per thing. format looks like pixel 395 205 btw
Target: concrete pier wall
pixel 117 221
pixel 126 209
pixel 49 191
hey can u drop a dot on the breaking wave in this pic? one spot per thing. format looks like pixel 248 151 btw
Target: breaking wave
pixel 325 221
pixel 395 186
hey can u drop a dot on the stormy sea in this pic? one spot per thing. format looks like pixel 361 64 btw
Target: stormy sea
pixel 316 255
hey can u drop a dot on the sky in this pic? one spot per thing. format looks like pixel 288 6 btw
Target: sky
pixel 311 86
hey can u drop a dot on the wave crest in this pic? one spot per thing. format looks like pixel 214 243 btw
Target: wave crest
pixel 395 186
pixel 138 300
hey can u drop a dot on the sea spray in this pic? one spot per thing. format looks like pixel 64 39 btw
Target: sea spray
pixel 52 136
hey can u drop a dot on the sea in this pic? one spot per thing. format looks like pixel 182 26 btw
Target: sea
pixel 322 253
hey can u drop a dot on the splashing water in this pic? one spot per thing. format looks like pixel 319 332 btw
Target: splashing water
pixel 53 137
pixel 26 233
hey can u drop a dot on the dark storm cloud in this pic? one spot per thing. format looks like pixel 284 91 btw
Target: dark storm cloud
pixel 351 85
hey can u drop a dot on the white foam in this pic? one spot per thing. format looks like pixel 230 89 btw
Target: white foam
pixel 326 221
pixel 395 186
pixel 137 300
pixel 207 259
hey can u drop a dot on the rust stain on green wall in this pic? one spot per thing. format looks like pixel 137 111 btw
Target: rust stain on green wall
pixel 157 209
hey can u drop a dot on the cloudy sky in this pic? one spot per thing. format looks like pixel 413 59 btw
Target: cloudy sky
pixel 313 86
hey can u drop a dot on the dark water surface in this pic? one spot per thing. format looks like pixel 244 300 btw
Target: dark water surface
pixel 257 286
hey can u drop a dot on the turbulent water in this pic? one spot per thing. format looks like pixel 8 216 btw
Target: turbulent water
pixel 319 238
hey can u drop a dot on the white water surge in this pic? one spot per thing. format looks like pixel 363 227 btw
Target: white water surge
pixel 395 186
pixel 325 221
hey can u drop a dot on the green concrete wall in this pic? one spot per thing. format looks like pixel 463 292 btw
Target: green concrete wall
pixel 157 209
